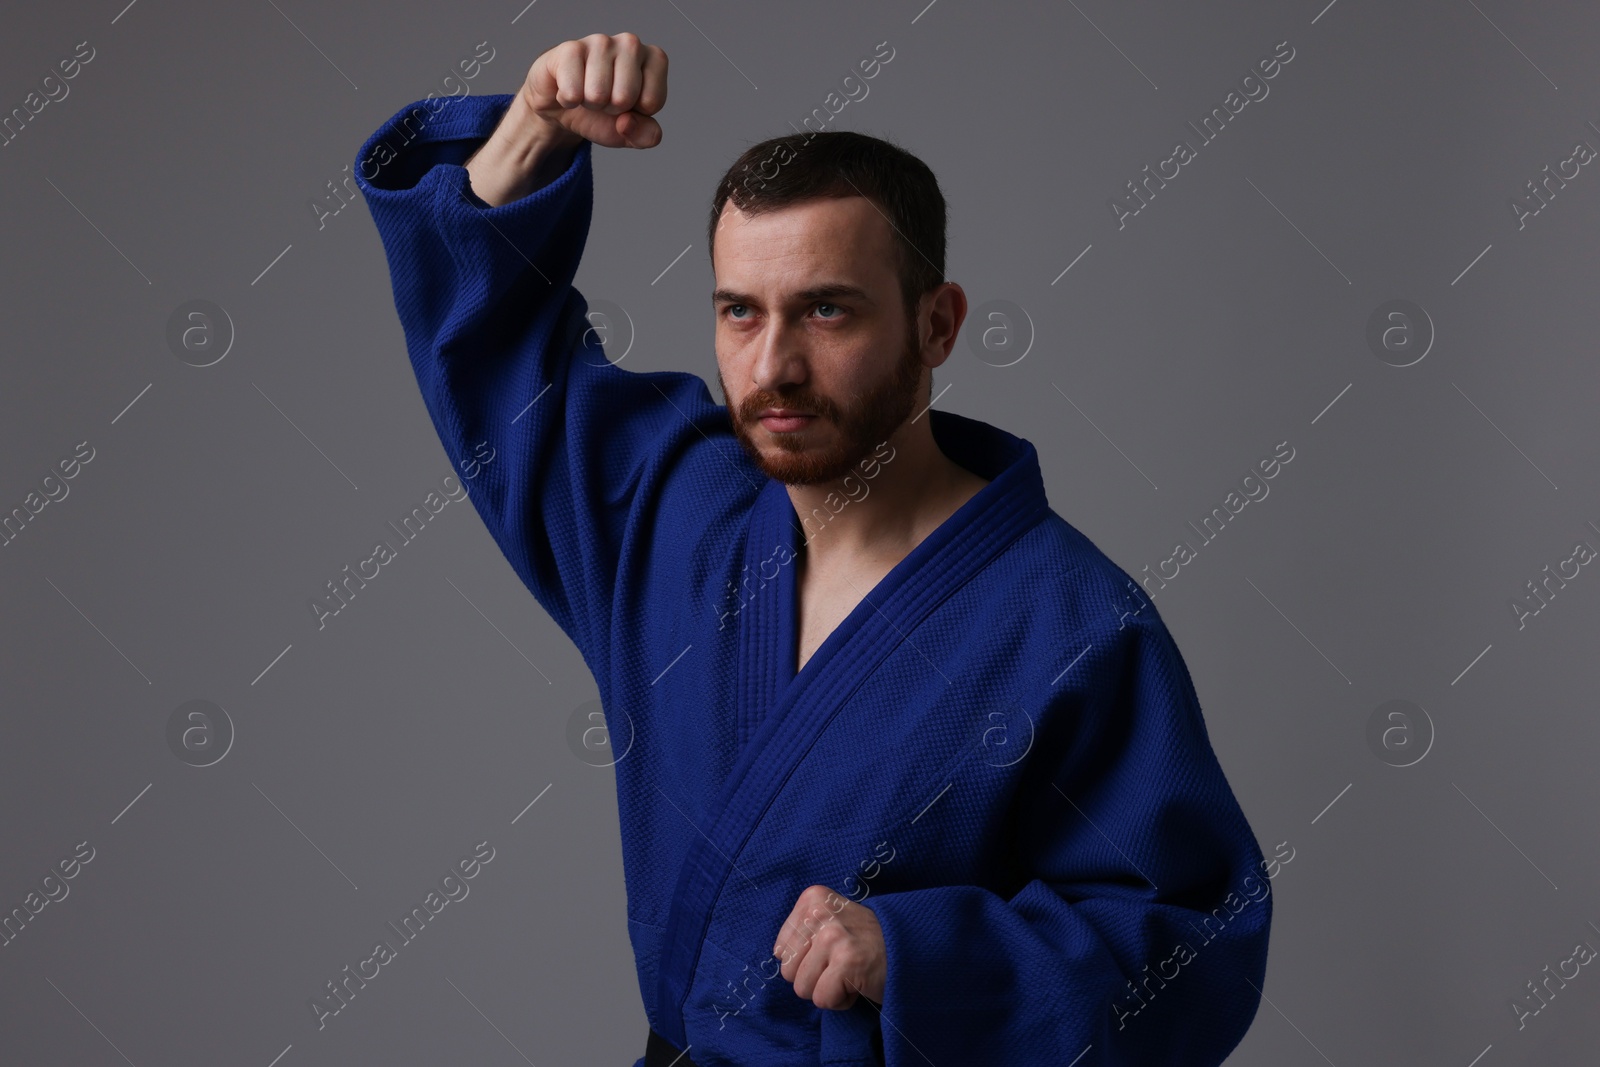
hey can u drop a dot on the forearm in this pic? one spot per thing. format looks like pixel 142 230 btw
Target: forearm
pixel 523 154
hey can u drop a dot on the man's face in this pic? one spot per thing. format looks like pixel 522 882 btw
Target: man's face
pixel 814 351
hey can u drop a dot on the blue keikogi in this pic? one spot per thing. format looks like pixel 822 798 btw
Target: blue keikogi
pixel 999 751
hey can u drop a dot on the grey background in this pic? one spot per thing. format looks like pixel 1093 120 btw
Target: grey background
pixel 1224 318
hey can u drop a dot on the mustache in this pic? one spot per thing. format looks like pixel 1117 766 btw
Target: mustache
pixel 760 400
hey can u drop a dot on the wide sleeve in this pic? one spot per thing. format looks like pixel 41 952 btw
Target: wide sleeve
pixel 1141 938
pixel 557 440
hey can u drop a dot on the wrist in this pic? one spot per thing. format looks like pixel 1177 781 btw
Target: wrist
pixel 525 153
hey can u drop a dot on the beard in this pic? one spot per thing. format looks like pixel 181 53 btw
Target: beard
pixel 863 423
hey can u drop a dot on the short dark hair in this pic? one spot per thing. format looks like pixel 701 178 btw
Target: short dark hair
pixel 839 163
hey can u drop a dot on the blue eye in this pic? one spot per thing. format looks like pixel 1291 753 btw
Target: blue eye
pixel 736 307
pixel 835 307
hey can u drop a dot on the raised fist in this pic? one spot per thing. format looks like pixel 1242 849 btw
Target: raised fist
pixel 601 88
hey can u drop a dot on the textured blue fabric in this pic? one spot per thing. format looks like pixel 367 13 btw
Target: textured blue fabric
pixel 1000 751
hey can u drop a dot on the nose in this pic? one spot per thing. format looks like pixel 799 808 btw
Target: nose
pixel 779 357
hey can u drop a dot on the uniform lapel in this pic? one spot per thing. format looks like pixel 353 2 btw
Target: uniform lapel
pixel 767 640
pixel 780 713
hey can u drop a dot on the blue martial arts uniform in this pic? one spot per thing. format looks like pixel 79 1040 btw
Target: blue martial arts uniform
pixel 999 751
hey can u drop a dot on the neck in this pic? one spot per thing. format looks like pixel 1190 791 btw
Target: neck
pixel 888 513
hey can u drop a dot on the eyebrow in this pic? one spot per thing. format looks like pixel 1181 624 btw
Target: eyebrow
pixel 832 290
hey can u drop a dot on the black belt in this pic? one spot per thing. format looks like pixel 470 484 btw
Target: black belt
pixel 659 1052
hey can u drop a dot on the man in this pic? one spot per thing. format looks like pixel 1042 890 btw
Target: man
pixel 917 775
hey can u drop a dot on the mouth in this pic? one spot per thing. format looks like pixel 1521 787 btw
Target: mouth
pixel 782 420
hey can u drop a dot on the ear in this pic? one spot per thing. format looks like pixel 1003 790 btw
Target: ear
pixel 941 313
